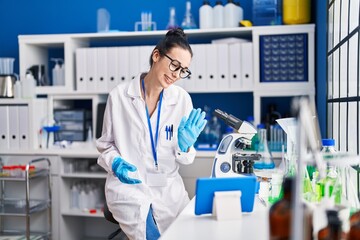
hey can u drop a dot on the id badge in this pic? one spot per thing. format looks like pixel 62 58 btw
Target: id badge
pixel 156 179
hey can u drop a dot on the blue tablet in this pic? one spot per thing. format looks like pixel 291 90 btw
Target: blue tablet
pixel 205 188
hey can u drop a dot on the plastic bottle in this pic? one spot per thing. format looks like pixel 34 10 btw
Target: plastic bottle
pixel 172 19
pixel 58 72
pixel 266 161
pixel 74 201
pixel 230 15
pixel 296 11
pixel 239 12
pixel 83 202
pixel 28 86
pixel 17 89
pixel 206 15
pixel 218 15
pixel 331 185
pixel 328 146
pixel 188 22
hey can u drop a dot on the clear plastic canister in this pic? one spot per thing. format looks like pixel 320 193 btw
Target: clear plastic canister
pixel 7 65
pixel 296 11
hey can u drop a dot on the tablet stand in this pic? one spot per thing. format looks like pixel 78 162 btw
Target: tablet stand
pixel 227 205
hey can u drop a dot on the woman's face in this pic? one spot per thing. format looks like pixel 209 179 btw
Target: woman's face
pixel 161 65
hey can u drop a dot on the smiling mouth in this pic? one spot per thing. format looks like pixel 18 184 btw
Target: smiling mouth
pixel 169 80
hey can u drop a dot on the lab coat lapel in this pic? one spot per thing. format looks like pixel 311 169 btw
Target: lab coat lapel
pixel 169 100
pixel 137 101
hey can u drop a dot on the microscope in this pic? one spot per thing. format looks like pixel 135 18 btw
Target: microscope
pixel 231 159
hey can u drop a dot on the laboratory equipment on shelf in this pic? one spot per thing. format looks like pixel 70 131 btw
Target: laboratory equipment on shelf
pixel 206 15
pixel 103 20
pixel 51 128
pixel 28 85
pixel 188 21
pixel 146 23
pixel 7 77
pixel 172 19
pixel 58 75
pixel 231 159
pixel 296 12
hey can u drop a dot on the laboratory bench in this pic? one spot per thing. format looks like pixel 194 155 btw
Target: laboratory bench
pixel 251 226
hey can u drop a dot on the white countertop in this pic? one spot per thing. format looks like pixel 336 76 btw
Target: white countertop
pixel 252 226
pixel 87 150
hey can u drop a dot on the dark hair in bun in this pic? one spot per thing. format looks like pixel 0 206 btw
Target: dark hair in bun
pixel 174 38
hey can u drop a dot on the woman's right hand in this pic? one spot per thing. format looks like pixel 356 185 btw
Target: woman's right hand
pixel 121 169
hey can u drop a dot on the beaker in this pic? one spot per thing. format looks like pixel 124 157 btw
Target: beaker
pixel 7 65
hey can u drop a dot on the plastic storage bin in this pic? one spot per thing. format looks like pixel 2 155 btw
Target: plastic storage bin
pixel 74 124
pixel 284 58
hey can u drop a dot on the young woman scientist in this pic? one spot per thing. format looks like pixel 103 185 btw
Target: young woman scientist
pixel 150 127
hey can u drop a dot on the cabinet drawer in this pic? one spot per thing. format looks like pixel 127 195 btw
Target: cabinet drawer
pixel 75 115
pixel 70 136
pixel 72 126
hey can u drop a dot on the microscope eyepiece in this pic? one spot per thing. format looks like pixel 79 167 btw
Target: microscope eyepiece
pixel 229 119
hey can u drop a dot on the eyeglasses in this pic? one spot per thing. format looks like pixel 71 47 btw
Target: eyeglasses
pixel 175 65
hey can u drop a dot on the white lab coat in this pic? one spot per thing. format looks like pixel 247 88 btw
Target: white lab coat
pixel 126 133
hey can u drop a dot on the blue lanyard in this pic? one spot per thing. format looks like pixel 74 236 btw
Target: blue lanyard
pixel 153 143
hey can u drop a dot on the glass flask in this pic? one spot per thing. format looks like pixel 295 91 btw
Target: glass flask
pixel 265 161
pixel 188 22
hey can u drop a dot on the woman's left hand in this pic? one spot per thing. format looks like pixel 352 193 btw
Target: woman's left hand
pixel 190 129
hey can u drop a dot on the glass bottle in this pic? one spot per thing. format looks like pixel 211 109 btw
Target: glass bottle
pixel 265 161
pixel 280 213
pixel 354 232
pixel 333 229
pixel 188 22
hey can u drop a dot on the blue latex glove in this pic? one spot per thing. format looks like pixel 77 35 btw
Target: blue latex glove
pixel 121 169
pixel 190 129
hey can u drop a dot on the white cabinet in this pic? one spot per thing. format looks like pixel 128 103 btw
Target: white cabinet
pixel 82 186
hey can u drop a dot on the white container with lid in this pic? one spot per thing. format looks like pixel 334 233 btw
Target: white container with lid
pixel 218 15
pixel 28 86
pixel 231 18
pixel 206 15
